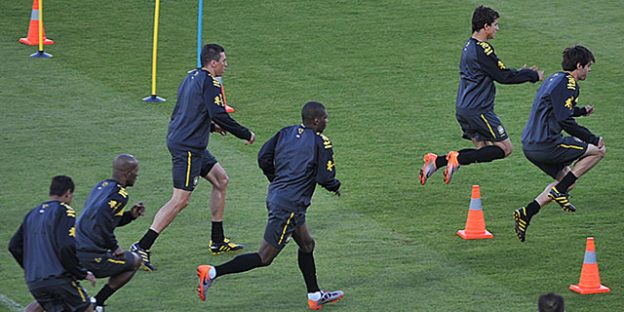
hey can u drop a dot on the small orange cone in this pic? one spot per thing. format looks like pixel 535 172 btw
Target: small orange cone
pixel 33 29
pixel 475 223
pixel 590 277
pixel 228 108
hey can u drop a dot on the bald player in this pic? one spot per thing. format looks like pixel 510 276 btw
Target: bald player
pixel 104 210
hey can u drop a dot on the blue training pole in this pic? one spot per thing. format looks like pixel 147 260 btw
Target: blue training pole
pixel 199 32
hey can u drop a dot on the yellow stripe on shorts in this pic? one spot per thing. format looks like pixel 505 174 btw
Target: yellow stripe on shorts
pixel 292 214
pixel 571 146
pixel 488 125
pixel 188 169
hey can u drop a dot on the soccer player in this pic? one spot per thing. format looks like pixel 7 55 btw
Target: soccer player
pixel 199 110
pixel 104 210
pixel 294 161
pixel 478 69
pixel 44 247
pixel 553 111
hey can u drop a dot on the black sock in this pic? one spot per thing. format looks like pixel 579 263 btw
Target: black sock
pixel 104 293
pixel 239 264
pixel 565 183
pixel 148 239
pixel 441 161
pixel 532 209
pixel 485 154
pixel 217 232
pixel 308 269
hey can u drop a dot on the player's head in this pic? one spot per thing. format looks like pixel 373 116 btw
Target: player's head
pixel 125 169
pixel 314 116
pixel 62 187
pixel 485 18
pixel 578 58
pixel 550 302
pixel 213 57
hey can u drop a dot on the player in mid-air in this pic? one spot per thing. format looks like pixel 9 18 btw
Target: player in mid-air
pixel 104 210
pixel 294 161
pixel 478 69
pixel 44 247
pixel 199 110
pixel 543 143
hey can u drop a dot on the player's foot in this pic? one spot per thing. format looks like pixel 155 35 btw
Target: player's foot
pixel 225 246
pixel 145 257
pixel 428 168
pixel 451 167
pixel 522 223
pixel 561 199
pixel 203 272
pixel 326 297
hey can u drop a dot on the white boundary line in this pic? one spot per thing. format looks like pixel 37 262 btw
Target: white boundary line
pixel 12 305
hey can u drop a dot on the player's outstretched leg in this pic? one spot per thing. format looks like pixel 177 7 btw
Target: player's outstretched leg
pixel 561 199
pixel 428 168
pixel 451 167
pixel 323 298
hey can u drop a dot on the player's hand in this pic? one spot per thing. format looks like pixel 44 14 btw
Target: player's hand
pixel 589 109
pixel 252 139
pixel 601 142
pixel 218 129
pixel 91 278
pixel 137 210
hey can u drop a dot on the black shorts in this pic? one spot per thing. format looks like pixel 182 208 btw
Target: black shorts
pixel 188 166
pixel 66 295
pixel 281 224
pixel 553 158
pixel 105 264
pixel 483 127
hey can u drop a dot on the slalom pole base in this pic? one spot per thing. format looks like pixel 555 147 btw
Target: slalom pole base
pixel 154 99
pixel 41 54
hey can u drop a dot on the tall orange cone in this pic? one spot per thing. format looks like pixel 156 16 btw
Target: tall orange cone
pixel 590 277
pixel 33 29
pixel 228 108
pixel 475 223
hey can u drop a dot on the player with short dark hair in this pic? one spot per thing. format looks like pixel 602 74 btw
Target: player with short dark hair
pixel 478 69
pixel 553 111
pixel 199 110
pixel 104 210
pixel 550 302
pixel 44 247
pixel 294 160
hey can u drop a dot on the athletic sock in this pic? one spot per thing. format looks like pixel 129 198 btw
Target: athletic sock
pixel 441 161
pixel 484 154
pixel 532 209
pixel 104 293
pixel 217 232
pixel 308 269
pixel 565 183
pixel 239 264
pixel 148 239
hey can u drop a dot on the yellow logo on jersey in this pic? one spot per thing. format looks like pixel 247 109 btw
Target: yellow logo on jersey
pixel 70 211
pixel 218 100
pixel 215 82
pixel 112 203
pixel 72 231
pixel 123 192
pixel 330 165
pixel 501 66
pixel 487 49
pixel 571 83
pixel 120 212
pixel 568 103
pixel 326 141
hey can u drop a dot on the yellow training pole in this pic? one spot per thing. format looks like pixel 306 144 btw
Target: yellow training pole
pixel 153 97
pixel 41 53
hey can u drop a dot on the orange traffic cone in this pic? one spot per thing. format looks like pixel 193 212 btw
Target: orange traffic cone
pixel 475 223
pixel 590 277
pixel 33 29
pixel 228 108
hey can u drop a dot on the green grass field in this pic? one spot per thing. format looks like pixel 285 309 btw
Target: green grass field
pixel 387 72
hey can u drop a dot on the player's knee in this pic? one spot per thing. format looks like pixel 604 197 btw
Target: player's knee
pixel 222 183
pixel 308 246
pixel 507 149
pixel 180 203
pixel 266 259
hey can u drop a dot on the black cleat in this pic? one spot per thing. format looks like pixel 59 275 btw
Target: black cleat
pixel 225 246
pixel 561 199
pixel 522 223
pixel 145 257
